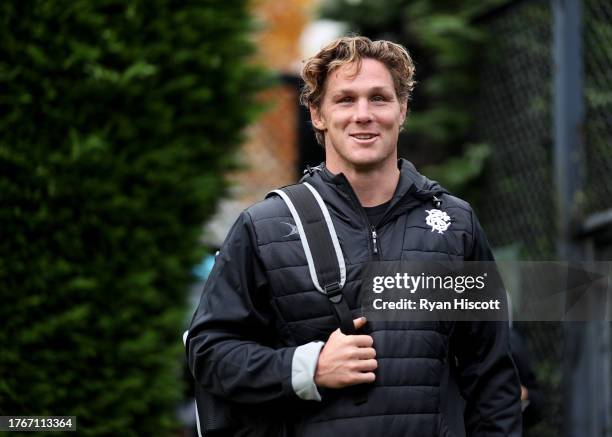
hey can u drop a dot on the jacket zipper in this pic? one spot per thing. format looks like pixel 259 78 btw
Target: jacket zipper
pixel 375 242
pixel 372 235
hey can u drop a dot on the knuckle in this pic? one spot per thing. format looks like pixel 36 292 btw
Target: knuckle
pixel 368 341
pixel 349 354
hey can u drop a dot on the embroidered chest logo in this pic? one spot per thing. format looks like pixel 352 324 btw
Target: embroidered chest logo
pixel 293 230
pixel 438 220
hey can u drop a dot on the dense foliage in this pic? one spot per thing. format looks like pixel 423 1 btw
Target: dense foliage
pixel 116 120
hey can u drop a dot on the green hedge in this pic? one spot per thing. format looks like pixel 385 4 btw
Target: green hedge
pixel 116 121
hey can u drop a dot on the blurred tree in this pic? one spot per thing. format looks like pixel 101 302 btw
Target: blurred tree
pixel 445 44
pixel 116 121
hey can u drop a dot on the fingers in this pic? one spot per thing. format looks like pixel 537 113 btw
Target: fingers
pixel 355 377
pixel 364 365
pixel 362 340
pixel 360 322
pixel 354 340
pixel 347 360
pixel 364 353
pixel 364 378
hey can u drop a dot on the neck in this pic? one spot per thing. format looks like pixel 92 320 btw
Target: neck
pixel 372 186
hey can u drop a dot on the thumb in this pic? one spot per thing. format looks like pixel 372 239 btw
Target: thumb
pixel 360 322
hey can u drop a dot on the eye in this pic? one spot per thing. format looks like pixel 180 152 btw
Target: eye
pixel 379 98
pixel 345 99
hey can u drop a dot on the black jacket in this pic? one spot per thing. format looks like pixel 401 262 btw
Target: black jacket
pixel 259 304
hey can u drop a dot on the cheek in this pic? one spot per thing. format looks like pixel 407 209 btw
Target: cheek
pixel 339 119
pixel 396 120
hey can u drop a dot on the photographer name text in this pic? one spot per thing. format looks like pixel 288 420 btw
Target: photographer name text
pixel 427 305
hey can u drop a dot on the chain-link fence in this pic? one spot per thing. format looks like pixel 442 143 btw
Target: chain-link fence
pixel 597 40
pixel 597 50
pixel 515 117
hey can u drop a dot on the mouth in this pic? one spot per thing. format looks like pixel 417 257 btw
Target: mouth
pixel 364 137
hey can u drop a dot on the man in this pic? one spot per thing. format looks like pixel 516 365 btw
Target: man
pixel 266 341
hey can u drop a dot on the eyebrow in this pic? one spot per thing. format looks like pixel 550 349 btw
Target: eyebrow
pixel 376 89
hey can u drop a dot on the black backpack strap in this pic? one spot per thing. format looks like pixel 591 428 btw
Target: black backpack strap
pixel 321 246
pixel 324 255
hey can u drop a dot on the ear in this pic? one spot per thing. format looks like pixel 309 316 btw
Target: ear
pixel 404 110
pixel 317 120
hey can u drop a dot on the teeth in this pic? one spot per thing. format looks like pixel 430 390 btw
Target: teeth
pixel 364 137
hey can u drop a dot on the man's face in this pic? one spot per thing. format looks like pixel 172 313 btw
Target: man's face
pixel 361 116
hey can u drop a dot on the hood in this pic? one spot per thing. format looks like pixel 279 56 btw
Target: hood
pixel 423 187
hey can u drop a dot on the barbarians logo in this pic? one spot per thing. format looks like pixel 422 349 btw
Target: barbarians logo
pixel 438 220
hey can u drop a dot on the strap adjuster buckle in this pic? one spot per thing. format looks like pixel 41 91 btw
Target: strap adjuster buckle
pixel 333 292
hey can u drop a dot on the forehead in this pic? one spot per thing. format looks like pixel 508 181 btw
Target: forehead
pixel 372 74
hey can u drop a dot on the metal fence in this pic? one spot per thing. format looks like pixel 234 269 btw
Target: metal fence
pixel 515 111
pixel 597 40
pixel 514 118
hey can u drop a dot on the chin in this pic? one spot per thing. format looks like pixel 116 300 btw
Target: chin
pixel 361 158
pixel 367 162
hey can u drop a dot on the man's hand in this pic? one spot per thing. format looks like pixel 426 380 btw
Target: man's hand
pixel 346 359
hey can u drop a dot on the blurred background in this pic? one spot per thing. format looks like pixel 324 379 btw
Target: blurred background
pixel 133 133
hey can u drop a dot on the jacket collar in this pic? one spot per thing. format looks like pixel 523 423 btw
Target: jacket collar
pixel 412 190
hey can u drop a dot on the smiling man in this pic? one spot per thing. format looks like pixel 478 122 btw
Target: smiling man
pixel 360 116
pixel 266 342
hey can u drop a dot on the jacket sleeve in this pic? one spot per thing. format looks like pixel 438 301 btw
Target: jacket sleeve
pixel 230 344
pixel 487 377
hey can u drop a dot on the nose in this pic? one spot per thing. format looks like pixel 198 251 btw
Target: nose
pixel 362 111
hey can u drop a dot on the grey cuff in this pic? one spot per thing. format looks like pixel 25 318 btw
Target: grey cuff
pixel 303 369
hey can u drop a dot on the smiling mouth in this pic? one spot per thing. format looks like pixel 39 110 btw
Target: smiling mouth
pixel 364 136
